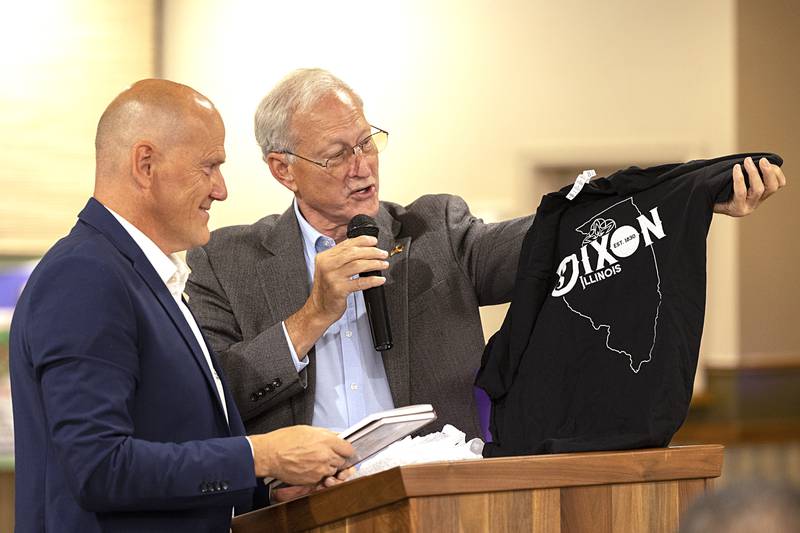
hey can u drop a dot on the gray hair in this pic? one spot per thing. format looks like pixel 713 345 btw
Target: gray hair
pixel 295 93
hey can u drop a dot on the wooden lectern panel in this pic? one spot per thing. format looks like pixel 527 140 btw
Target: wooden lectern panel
pixel 586 509
pixel 633 491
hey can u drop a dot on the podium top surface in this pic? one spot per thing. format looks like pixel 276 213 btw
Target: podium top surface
pixel 490 475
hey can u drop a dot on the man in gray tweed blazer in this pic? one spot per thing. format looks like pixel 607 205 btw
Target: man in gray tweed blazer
pixel 263 312
pixel 280 302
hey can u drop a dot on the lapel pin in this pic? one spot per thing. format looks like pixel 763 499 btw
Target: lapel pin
pixel 396 250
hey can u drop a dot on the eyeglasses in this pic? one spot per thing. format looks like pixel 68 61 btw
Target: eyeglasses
pixel 371 145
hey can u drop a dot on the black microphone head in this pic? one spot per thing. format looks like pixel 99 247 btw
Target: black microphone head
pixel 362 225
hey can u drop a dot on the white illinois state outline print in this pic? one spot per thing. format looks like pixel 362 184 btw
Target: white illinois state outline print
pixel 610 243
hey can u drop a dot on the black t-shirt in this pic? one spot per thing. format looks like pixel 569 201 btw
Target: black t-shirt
pixel 599 348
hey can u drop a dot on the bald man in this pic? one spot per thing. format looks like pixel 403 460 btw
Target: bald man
pixel 122 418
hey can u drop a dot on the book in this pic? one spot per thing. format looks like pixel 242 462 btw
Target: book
pixel 378 430
pixel 375 432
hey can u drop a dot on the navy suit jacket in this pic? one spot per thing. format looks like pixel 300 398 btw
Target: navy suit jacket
pixel 118 426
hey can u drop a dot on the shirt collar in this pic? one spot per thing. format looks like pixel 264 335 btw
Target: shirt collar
pixel 310 235
pixel 172 269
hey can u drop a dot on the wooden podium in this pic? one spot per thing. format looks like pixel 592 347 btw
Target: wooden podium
pixel 627 491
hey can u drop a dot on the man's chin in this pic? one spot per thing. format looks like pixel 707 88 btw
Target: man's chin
pixel 369 206
pixel 200 238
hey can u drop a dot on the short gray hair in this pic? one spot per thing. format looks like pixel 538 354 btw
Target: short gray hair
pixel 295 93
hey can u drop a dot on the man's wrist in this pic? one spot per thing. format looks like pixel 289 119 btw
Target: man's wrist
pixel 315 317
pixel 298 364
pixel 304 328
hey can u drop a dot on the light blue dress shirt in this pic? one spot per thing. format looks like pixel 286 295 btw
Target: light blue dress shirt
pixel 351 381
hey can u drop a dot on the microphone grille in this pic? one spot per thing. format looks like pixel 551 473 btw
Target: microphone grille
pixel 362 225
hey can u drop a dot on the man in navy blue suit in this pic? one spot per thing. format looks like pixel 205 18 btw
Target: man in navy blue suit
pixel 123 421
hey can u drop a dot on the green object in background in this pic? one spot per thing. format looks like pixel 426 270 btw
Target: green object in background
pixel 3 353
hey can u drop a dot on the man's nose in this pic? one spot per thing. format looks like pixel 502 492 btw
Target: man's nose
pixel 218 190
pixel 355 164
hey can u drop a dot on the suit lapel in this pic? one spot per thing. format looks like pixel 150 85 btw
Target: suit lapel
pixel 283 276
pixel 235 424
pixel 148 273
pixel 96 215
pixel 395 360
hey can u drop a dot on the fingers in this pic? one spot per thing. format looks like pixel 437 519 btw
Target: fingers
pixel 779 173
pixel 363 247
pixel 336 274
pixel 762 185
pixel 352 257
pixel 770 179
pixel 363 240
pixel 302 455
pixel 773 178
pixel 346 474
pixel 339 478
pixel 342 448
pixel 347 252
pixel 339 448
pixel 330 470
pixel 360 266
pixel 756 189
pixel 739 198
pixel 299 455
pixel 331 481
pixel 289 493
pixel 366 282
pixel 322 454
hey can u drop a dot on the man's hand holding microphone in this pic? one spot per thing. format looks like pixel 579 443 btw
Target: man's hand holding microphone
pixel 352 265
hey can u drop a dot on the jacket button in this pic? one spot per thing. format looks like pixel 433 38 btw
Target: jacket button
pixel 224 485
pixel 277 382
pixel 203 487
pixel 269 388
pixel 254 397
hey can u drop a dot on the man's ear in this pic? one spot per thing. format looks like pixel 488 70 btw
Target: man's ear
pixel 142 164
pixel 279 168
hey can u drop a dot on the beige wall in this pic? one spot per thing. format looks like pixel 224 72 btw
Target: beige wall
pixel 62 62
pixel 477 94
pixel 769 116
pixel 466 88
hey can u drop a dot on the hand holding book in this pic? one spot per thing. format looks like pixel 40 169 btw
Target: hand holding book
pixel 372 434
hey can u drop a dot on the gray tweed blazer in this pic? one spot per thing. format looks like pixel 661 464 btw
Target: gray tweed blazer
pixel 248 279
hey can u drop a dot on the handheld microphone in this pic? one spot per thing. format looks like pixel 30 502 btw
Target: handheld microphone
pixel 374 298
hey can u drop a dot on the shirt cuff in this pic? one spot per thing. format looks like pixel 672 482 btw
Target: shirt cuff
pixel 298 364
pixel 252 450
